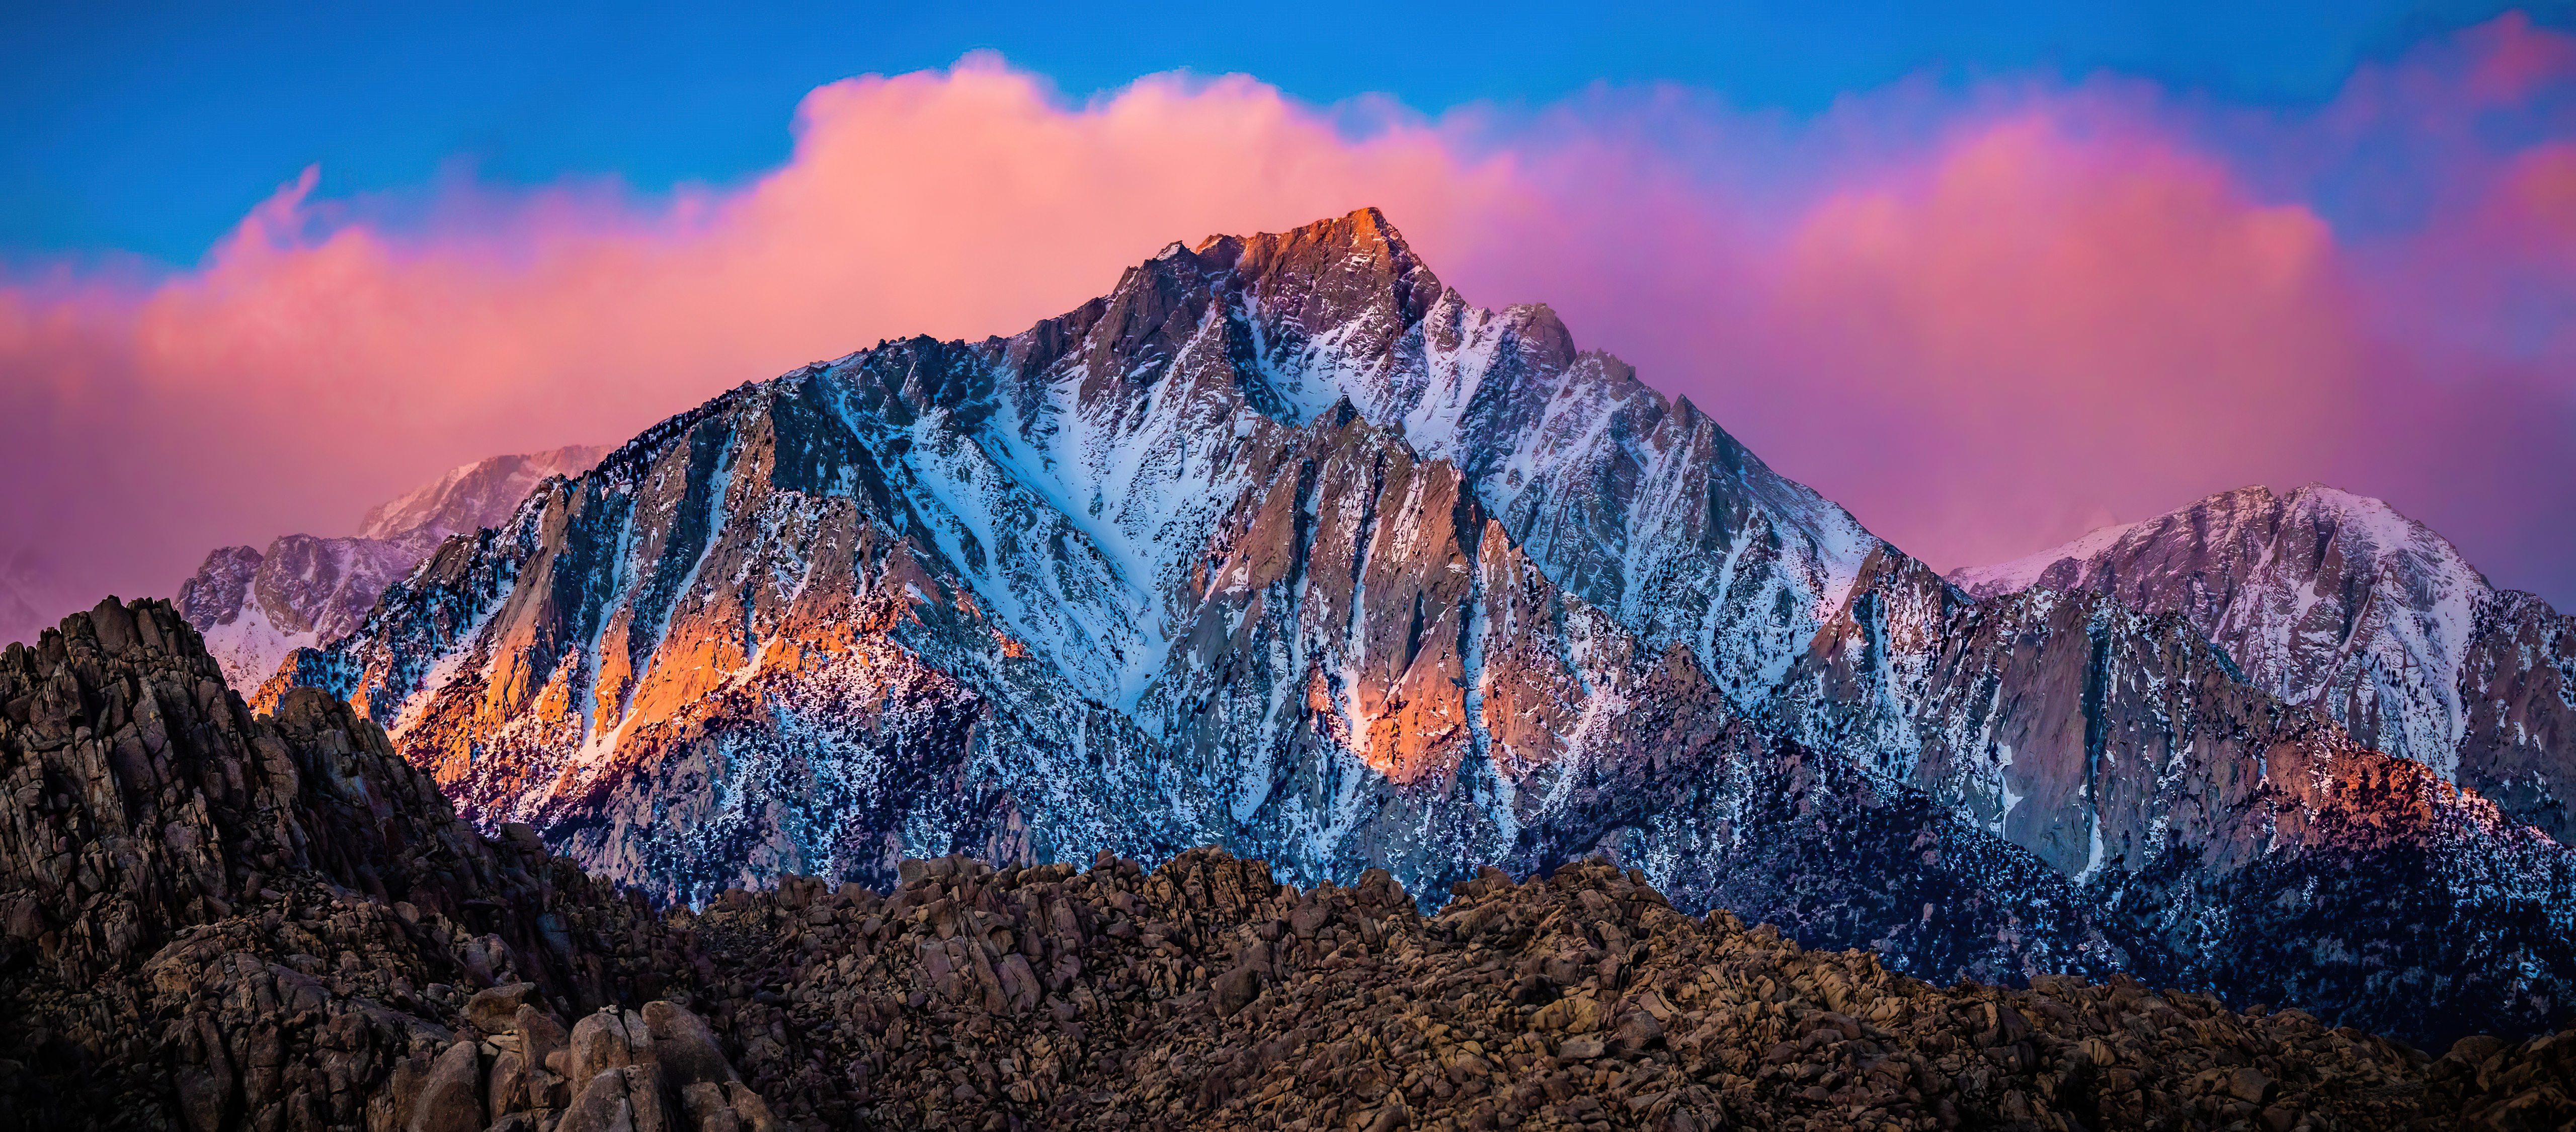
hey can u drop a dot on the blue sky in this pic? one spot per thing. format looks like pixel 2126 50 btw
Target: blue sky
pixel 152 128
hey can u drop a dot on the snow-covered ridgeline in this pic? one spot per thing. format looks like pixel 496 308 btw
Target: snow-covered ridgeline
pixel 2337 601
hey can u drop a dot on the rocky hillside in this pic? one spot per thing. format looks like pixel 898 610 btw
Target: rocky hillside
pixel 1285 547
pixel 213 921
pixel 218 921
pixel 257 607
pixel 2335 600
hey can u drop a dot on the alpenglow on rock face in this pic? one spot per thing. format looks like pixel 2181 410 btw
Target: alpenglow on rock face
pixel 256 608
pixel 2335 600
pixel 1283 546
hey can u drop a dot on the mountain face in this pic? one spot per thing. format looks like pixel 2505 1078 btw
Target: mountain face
pixel 212 921
pixel 2336 601
pixel 2224 838
pixel 1283 546
pixel 472 496
pixel 257 607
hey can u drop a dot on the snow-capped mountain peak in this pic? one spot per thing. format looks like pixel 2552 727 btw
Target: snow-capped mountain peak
pixel 2336 600
pixel 256 607
pixel 1284 545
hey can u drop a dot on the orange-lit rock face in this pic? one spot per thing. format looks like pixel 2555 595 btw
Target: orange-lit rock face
pixel 731 618
pixel 1353 551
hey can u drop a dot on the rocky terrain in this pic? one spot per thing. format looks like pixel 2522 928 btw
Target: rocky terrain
pixel 214 921
pixel 256 607
pixel 1283 546
pixel 2335 600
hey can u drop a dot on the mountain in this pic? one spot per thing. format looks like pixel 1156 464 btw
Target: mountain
pixel 212 921
pixel 472 496
pixel 257 607
pixel 2335 600
pixel 1283 546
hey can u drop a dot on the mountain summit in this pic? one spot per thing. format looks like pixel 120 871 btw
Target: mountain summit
pixel 256 607
pixel 2335 600
pixel 1284 546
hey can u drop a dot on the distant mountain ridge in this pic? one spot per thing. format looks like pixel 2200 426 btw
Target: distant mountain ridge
pixel 2335 600
pixel 256 607
pixel 1284 546
pixel 470 497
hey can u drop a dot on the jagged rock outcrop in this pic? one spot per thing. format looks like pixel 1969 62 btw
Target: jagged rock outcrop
pixel 257 607
pixel 2336 601
pixel 1285 547
pixel 212 921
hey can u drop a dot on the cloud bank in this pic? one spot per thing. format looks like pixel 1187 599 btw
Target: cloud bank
pixel 1983 319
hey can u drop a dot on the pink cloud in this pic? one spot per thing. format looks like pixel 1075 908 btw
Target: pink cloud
pixel 2029 304
pixel 317 363
pixel 2045 307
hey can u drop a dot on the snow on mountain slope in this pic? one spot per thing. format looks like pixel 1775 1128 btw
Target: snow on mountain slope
pixel 2335 600
pixel 256 607
pixel 1283 546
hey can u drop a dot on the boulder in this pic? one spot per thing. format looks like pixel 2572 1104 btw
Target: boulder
pixel 751 1109
pixel 606 1040
pixel 496 1011
pixel 451 1100
pixel 600 1106
pixel 1234 990
pixel 684 1047
pixel 708 1109
pixel 1637 1032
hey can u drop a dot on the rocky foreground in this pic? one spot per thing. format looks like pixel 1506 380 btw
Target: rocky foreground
pixel 216 921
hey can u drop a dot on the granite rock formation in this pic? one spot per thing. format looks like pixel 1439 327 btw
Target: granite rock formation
pixel 2334 600
pixel 1283 546
pixel 1201 995
pixel 212 921
pixel 215 921
pixel 257 607
pixel 2224 839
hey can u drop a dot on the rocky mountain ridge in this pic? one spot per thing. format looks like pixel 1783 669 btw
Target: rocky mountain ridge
pixel 257 607
pixel 212 921
pixel 1285 547
pixel 2335 600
